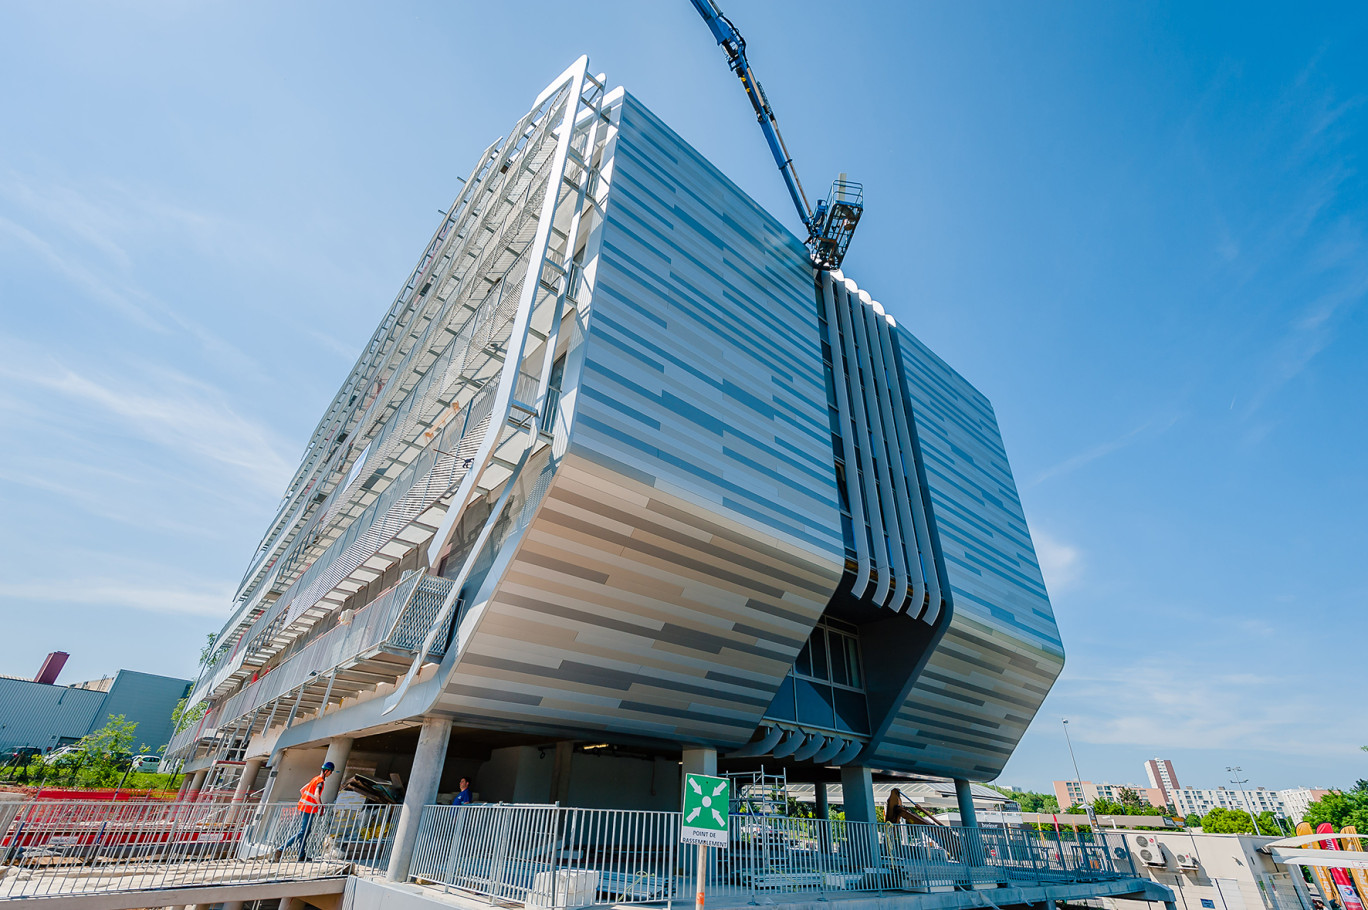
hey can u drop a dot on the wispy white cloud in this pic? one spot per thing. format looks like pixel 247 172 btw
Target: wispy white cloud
pixel 175 412
pixel 1155 427
pixel 1172 700
pixel 87 238
pixel 1060 563
pixel 102 290
pixel 202 599
pixel 336 346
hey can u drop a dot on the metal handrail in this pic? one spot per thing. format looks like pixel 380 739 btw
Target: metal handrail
pixel 551 856
pixel 57 849
pixel 388 622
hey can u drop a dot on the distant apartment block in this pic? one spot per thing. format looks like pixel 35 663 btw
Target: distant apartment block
pixel 1291 803
pixel 1162 776
pixel 1073 792
pixel 1298 799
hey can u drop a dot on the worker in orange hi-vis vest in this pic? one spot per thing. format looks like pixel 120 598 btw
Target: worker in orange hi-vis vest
pixel 310 804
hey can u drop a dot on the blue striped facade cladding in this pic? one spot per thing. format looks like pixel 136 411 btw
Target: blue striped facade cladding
pixel 703 365
pixel 690 536
pixel 990 672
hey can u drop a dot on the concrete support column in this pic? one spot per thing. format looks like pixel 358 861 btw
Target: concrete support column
pixel 857 792
pixel 422 790
pixel 700 760
pixel 232 905
pixel 196 784
pixel 249 776
pixel 974 853
pixel 965 797
pixel 291 903
pixel 823 813
pixel 339 747
pixel 560 772
pixel 857 788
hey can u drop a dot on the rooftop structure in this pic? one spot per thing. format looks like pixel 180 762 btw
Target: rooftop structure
pixel 621 479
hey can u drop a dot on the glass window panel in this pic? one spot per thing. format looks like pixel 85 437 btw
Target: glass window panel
pixel 819 654
pixel 852 714
pixel 782 707
pixel 839 674
pixel 814 704
pixel 803 665
pixel 853 662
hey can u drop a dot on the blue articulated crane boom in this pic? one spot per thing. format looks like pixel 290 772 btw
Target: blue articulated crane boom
pixel 832 223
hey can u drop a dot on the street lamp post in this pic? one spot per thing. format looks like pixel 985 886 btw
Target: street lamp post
pixel 1092 816
pixel 1244 797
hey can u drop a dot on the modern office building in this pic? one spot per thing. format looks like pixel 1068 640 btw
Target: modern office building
pixel 621 482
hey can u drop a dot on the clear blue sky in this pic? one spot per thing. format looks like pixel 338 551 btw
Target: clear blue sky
pixel 1139 228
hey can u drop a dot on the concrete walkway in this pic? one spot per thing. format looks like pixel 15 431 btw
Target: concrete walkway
pixel 376 894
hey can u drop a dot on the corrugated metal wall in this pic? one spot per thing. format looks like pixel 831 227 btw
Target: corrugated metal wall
pixel 38 715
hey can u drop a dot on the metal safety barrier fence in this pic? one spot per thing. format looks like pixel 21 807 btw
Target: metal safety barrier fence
pixel 53 849
pixel 550 857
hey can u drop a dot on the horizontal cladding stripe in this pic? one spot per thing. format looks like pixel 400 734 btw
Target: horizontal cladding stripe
pixel 528 635
pixel 952 684
pixel 784 572
pixel 1038 627
pixel 663 647
pixel 1013 652
pixel 976 748
pixel 749 502
pixel 950 730
pixel 670 401
pixel 703 314
pixel 607 678
pixel 669 633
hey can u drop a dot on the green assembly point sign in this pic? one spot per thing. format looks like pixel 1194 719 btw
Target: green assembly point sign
pixel 707 801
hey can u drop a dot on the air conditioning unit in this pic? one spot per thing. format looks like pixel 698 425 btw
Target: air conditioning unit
pixel 1142 841
pixel 1186 860
pixel 1153 857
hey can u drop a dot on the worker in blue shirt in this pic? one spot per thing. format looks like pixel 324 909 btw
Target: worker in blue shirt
pixel 462 797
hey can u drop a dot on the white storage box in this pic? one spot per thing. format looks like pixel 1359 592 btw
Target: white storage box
pixel 571 889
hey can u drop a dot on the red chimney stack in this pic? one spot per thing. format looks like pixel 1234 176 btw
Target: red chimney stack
pixel 51 667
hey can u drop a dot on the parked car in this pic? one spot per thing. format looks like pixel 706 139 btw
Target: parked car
pixel 57 755
pixel 146 763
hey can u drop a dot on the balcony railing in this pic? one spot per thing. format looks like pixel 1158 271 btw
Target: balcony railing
pixel 548 856
pixel 394 622
pixel 61 849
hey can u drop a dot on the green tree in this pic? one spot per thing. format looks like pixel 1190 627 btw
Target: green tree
pixel 1130 798
pixel 1237 821
pixel 1340 808
pixel 182 718
pixel 1030 801
pixel 1193 821
pixel 103 755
